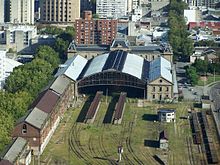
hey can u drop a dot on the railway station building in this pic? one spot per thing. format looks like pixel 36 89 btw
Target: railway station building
pixel 121 71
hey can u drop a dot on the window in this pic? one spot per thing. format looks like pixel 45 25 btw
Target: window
pixel 161 80
pixel 153 89
pixel 167 89
pixel 153 96
pixel 24 129
pixel 160 89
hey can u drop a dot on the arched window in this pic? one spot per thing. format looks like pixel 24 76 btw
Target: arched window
pixel 24 129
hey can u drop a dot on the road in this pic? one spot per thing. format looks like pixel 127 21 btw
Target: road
pixel 189 92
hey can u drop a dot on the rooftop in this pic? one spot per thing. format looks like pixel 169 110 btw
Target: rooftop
pixel 14 150
pixel 166 111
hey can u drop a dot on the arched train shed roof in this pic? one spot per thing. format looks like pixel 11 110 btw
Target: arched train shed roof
pixel 120 61
pixel 77 67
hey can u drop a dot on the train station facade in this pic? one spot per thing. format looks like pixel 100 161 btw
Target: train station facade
pixel 121 71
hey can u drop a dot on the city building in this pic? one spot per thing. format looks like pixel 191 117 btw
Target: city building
pixel 119 70
pixel 111 8
pixel 137 14
pixel 157 5
pixel 17 37
pixel 95 31
pixel 44 115
pixel 22 11
pixel 6 67
pixel 18 152
pixel 59 11
pixel 2 11
pixel 166 115
pixel 202 3
pixel 148 52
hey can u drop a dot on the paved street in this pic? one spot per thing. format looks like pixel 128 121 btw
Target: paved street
pixel 189 92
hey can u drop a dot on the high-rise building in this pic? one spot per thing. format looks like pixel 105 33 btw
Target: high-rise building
pixel 59 11
pixel 95 31
pixel 111 8
pixel 199 3
pixel 2 10
pixel 22 11
pixel 16 37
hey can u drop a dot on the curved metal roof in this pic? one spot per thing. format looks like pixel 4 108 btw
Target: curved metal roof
pixel 118 61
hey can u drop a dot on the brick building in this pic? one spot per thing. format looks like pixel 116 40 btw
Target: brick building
pixel 39 124
pixel 95 31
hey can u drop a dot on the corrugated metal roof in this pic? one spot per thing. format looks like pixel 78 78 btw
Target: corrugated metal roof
pixel 47 102
pixel 160 67
pixel 72 67
pixel 60 84
pixel 96 65
pixel 36 118
pixel 133 65
pixel 15 150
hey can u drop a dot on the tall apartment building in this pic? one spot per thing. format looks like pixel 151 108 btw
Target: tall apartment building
pixel 22 11
pixel 111 8
pixel 95 31
pixel 16 37
pixel 59 11
pixel 2 11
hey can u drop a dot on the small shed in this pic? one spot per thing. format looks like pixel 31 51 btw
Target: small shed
pixel 163 140
pixel 166 115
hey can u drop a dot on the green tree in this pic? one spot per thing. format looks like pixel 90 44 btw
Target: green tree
pixel 6 125
pixel 48 54
pixel 178 35
pixel 61 46
pixel 201 66
pixel 192 75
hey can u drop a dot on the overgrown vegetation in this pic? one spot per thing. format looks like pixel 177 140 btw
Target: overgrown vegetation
pixel 178 34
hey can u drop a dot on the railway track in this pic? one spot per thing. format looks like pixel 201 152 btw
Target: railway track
pixel 190 152
pixel 75 146
pixel 129 147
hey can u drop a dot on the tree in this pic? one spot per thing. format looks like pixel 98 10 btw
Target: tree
pixel 61 46
pixel 6 125
pixel 201 66
pixel 71 31
pixel 48 54
pixel 192 75
pixel 178 35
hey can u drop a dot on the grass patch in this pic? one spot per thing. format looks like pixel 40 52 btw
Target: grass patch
pixel 210 79
pixel 98 142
